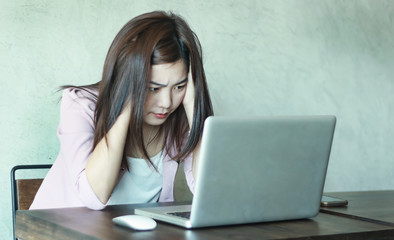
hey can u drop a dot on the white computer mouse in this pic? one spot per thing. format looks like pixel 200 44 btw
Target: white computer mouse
pixel 135 222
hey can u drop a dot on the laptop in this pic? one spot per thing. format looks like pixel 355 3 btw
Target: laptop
pixel 256 169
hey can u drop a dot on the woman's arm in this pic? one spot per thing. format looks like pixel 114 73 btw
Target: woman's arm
pixel 102 168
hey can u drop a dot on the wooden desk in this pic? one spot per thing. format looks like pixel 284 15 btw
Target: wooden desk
pixel 333 223
pixel 82 223
pixel 372 206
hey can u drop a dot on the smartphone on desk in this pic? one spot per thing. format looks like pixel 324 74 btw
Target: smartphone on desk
pixel 327 201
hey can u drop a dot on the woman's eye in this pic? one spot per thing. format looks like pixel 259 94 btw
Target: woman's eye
pixel 153 89
pixel 180 87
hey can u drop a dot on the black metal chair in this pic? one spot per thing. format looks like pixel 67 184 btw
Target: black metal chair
pixel 23 190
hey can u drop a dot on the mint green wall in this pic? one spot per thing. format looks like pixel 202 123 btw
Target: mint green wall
pixel 261 58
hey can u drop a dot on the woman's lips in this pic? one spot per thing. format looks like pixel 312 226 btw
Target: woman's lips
pixel 161 115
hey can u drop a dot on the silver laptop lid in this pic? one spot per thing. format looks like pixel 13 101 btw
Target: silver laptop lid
pixel 259 169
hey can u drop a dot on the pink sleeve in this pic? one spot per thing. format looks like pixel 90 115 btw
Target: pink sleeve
pixel 188 168
pixel 76 134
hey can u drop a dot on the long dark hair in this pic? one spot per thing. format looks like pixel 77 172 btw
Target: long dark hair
pixel 148 39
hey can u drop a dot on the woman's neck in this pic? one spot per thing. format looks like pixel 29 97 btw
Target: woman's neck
pixel 153 142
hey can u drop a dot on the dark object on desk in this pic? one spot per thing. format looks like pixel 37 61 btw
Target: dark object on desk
pixel 328 201
pixel 374 206
pixel 24 190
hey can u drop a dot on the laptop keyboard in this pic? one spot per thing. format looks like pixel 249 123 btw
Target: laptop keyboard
pixel 181 214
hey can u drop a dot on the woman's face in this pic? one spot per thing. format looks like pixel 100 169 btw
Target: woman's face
pixel 167 88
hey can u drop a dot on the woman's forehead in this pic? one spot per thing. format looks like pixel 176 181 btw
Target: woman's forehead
pixel 168 73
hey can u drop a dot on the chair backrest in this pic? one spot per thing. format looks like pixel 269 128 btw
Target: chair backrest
pixel 24 190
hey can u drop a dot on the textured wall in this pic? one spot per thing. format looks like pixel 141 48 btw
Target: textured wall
pixel 261 57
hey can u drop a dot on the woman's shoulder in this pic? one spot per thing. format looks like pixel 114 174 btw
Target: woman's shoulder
pixel 79 97
pixel 76 93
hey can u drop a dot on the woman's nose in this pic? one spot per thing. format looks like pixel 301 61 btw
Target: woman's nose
pixel 165 99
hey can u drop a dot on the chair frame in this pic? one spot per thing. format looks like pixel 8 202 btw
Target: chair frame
pixel 14 187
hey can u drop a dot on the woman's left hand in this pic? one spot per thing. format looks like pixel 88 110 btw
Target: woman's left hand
pixel 188 100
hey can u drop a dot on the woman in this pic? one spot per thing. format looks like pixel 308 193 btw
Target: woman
pixel 123 137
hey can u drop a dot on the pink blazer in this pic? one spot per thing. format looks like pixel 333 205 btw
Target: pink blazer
pixel 66 184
